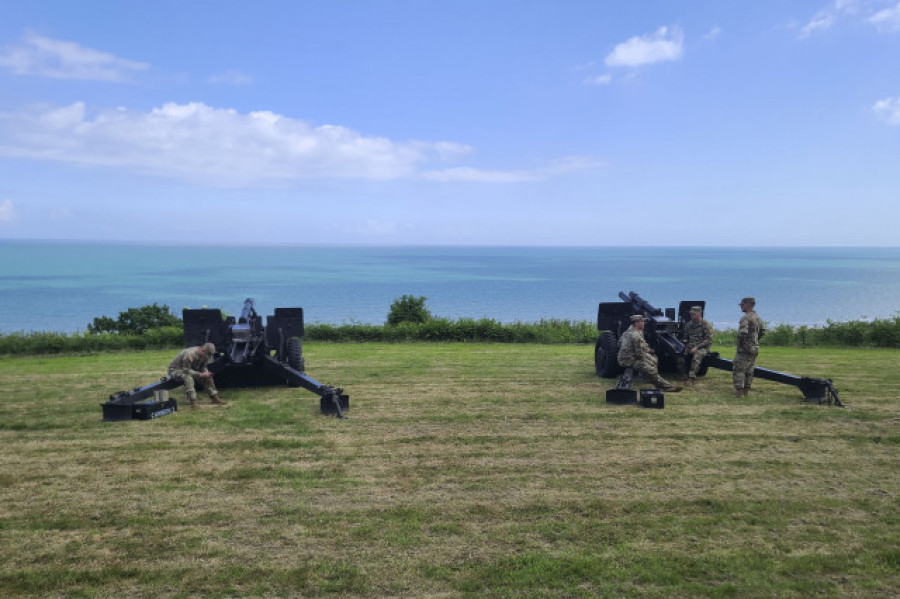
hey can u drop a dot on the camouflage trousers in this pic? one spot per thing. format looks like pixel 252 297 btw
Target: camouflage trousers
pixel 696 361
pixel 648 366
pixel 742 370
pixel 190 383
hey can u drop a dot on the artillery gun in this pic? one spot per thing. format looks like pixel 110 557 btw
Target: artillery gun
pixel 244 358
pixel 664 333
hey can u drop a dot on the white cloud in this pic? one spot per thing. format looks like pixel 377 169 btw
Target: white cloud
pixel 888 110
pixel 236 78
pixel 887 19
pixel 58 59
pixel 712 34
pixel 820 22
pixel 662 45
pixel 479 175
pixel 605 79
pixel 870 11
pixel 222 147
pixel 562 166
pixel 7 213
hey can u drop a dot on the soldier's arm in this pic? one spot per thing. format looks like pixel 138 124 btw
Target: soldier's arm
pixel 706 342
pixel 744 327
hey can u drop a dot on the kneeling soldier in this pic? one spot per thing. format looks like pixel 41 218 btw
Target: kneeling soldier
pixel 189 367
pixel 634 352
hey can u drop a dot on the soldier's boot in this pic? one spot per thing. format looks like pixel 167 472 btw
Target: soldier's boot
pixel 215 399
pixel 689 382
pixel 739 393
pixel 746 391
pixel 192 399
pixel 674 388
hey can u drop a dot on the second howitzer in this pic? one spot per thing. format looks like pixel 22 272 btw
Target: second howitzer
pixel 244 355
pixel 664 332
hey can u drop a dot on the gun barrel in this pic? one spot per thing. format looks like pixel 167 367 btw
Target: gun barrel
pixel 247 311
pixel 639 303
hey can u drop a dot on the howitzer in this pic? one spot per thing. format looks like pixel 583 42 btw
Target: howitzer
pixel 244 358
pixel 664 333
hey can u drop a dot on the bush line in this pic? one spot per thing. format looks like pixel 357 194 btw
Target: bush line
pixel 877 333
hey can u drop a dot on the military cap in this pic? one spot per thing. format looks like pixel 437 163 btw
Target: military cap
pixel 749 301
pixel 210 349
pixel 696 309
pixel 638 318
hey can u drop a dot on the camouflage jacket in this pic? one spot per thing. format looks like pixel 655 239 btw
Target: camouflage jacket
pixel 632 347
pixel 189 361
pixel 698 334
pixel 750 329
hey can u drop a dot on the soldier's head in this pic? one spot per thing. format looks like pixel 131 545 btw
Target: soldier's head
pixel 696 313
pixel 209 349
pixel 747 304
pixel 638 320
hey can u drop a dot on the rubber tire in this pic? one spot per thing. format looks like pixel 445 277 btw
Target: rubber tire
pixel 606 356
pixel 295 354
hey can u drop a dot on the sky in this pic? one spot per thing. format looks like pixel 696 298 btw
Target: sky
pixel 471 122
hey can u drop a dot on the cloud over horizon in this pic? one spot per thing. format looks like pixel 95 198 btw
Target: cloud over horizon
pixel 884 15
pixel 888 110
pixel 222 147
pixel 662 45
pixel 58 59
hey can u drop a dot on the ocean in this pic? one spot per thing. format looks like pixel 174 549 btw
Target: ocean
pixel 62 286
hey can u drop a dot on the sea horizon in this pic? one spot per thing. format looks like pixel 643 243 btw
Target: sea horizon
pixel 61 285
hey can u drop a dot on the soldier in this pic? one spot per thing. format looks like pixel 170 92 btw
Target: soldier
pixel 189 367
pixel 750 331
pixel 698 339
pixel 636 353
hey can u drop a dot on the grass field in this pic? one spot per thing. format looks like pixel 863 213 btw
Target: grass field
pixel 462 470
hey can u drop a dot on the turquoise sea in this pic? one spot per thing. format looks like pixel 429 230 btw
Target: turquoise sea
pixel 62 286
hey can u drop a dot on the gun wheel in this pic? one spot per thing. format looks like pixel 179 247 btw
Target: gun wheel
pixel 606 361
pixel 295 354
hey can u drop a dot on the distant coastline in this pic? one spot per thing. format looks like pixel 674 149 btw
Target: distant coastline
pixel 60 285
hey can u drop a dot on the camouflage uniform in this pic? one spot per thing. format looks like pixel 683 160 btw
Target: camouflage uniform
pixel 750 329
pixel 699 335
pixel 187 367
pixel 634 352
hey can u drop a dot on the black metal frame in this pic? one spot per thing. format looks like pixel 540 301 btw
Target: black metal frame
pixel 664 333
pixel 244 348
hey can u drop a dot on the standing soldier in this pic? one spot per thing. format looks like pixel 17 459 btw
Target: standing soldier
pixel 750 331
pixel 189 367
pixel 634 352
pixel 698 339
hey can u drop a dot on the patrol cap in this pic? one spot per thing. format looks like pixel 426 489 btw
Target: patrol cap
pixel 210 349
pixel 639 318
pixel 748 301
pixel 696 309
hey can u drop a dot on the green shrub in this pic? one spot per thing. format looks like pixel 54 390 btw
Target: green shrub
pixel 136 321
pixel 878 333
pixel 408 308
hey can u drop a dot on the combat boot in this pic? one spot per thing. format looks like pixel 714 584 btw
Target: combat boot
pixel 739 393
pixel 215 399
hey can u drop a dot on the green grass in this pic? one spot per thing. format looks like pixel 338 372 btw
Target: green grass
pixel 463 470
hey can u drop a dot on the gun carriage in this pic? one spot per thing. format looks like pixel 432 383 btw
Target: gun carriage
pixel 248 353
pixel 664 333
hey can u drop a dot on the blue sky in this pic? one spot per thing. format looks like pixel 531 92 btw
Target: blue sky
pixel 488 122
